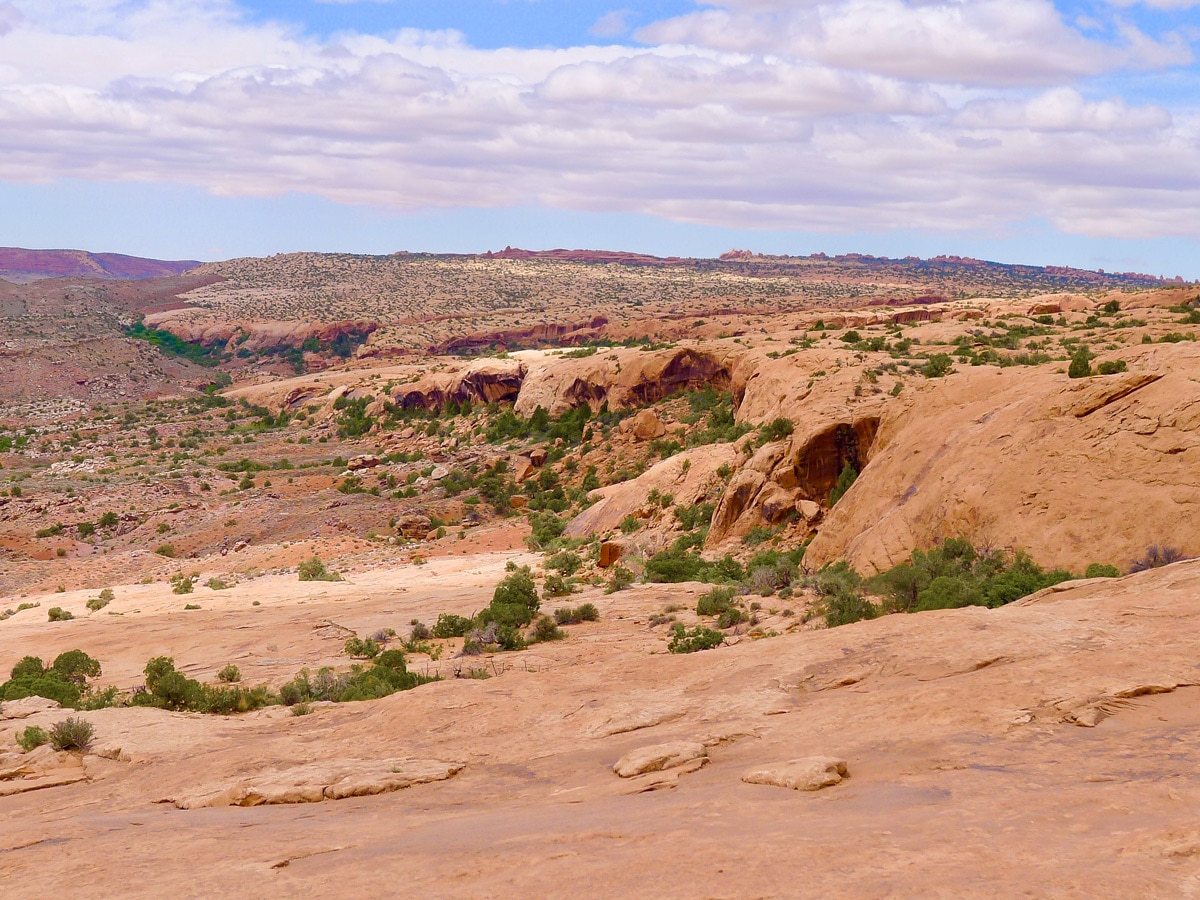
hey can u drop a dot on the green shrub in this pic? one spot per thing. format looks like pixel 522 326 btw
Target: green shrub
pixel 182 585
pixel 731 616
pixel 565 562
pixel 1081 366
pixel 28 667
pixel 715 602
pixel 32 737
pixel 72 734
pixel 697 516
pixel 585 612
pixel 699 638
pixel 556 586
pixel 58 614
pixel 515 600
pixel 1112 367
pixel 230 674
pixel 619 579
pixel 939 364
pixel 847 478
pixel 448 626
pixel 546 629
pixel 96 603
pixel 357 648
pixel 167 550
pixel 673 566
pixel 1101 570
pixel 776 430
pixel 313 569
pixel 76 667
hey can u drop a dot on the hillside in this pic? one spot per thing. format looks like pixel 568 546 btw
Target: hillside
pixel 22 266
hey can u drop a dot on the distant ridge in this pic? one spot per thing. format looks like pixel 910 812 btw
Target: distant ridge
pixel 23 266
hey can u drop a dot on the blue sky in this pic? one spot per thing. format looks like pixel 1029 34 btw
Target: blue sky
pixel 1016 130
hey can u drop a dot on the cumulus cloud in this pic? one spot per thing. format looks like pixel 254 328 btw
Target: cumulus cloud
pixel 796 115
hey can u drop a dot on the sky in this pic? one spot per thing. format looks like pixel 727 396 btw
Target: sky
pixel 1062 132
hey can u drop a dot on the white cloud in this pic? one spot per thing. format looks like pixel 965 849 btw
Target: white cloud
pixel 611 24
pixel 826 126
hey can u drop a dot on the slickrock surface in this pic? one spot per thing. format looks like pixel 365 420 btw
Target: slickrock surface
pixel 1044 748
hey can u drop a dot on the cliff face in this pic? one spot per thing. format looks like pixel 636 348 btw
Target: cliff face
pixel 1075 471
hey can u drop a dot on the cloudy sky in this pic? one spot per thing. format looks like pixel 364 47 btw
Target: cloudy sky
pixel 1043 131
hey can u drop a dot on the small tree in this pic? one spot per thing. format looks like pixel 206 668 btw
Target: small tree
pixel 1081 364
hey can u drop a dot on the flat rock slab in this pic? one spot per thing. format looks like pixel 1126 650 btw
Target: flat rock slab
pixel 809 774
pixel 26 707
pixel 659 757
pixel 333 780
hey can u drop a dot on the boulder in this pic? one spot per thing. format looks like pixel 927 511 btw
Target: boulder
pixel 414 526
pixel 644 426
pixel 26 707
pixel 808 774
pixel 610 553
pixel 658 757
pixel 365 461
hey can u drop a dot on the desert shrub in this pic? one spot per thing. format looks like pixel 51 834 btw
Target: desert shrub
pixel 217 584
pixel 76 667
pixel 230 674
pixel 313 569
pixel 419 631
pixel 715 601
pixel 546 629
pixel 448 626
pixel 955 574
pixel 556 586
pixel 515 600
pixel 72 734
pixel 168 688
pixel 696 516
pixel 1081 364
pixel 32 737
pixel 673 566
pixel 565 562
pixel 167 550
pixel 732 616
pixel 492 636
pixel 357 648
pixel 96 603
pixel 568 615
pixel 620 579
pixel 182 584
pixel 847 477
pixel 695 640
pixel 776 430
pixel 938 364
pixel 1112 367
pixel 1157 555
pixel 58 614
pixel 1101 570
pixel 28 667
pixel 547 528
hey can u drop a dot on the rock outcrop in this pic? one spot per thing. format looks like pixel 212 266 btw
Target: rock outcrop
pixel 1077 471
pixel 619 377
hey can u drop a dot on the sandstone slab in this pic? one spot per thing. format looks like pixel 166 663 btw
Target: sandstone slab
pixel 659 757
pixel 808 774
